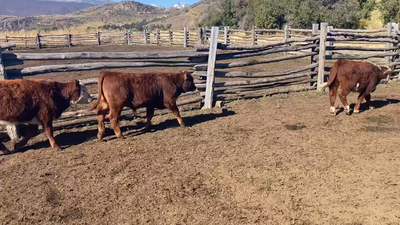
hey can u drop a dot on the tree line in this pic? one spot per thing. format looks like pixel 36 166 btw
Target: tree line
pixel 274 14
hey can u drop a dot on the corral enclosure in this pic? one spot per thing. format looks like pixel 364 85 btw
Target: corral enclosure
pixel 261 156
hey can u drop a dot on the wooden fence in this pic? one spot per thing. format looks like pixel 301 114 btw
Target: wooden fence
pixel 216 59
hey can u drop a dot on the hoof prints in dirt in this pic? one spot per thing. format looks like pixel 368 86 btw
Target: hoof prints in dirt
pixel 295 126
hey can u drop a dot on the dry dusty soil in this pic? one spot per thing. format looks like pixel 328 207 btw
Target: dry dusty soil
pixel 275 160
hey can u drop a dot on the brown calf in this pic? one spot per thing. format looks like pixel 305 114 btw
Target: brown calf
pixel 354 76
pixel 37 102
pixel 134 90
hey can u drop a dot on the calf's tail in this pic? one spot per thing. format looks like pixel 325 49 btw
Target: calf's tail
pixel 99 90
pixel 333 73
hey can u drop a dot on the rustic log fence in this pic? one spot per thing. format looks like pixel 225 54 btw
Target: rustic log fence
pixel 219 54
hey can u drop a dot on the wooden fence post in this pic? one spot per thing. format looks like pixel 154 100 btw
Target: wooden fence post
pixel 226 35
pixel 128 37
pixel 158 36
pixel 146 37
pixel 98 38
pixel 388 45
pixel 69 37
pixel 209 97
pixel 26 41
pixel 200 36
pixel 286 35
pixel 38 44
pixel 6 38
pixel 185 37
pixel 329 52
pixel 315 28
pixel 253 36
pixel 12 130
pixel 171 36
pixel 322 52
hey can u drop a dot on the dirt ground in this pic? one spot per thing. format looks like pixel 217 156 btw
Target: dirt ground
pixel 275 160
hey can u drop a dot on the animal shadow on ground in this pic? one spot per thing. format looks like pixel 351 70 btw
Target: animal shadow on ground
pixel 68 139
pixel 375 103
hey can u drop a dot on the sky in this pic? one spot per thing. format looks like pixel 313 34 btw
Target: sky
pixel 165 3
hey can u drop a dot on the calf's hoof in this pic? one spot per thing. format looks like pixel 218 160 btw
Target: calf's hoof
pixel 57 148
pixel 332 110
pixel 356 111
pixel 348 112
pixel 17 147
pixel 371 107
pixel 121 137
pixel 100 137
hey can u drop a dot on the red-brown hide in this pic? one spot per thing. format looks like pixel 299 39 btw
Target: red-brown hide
pixel 354 76
pixel 135 90
pixel 35 102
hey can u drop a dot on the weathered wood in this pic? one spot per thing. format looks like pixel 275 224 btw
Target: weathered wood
pixel 260 87
pixel 301 30
pixel 266 93
pixel 98 38
pixel 388 45
pixel 322 49
pixel 366 56
pixel 362 35
pixel 352 39
pixel 185 37
pixel 259 81
pixel 270 30
pixel 101 55
pixel 38 44
pixel 355 48
pixel 92 81
pixel 242 74
pixel 69 40
pixel 202 67
pixel 253 36
pixel 8 45
pixel 209 98
pixel 94 66
pixel 358 31
pixel 259 47
pixel 226 37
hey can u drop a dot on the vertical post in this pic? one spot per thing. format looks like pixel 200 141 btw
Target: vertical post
pixel 26 41
pixel 6 38
pixel 200 37
pixel 171 36
pixel 98 38
pixel 286 35
pixel 185 37
pixel 128 37
pixel 322 52
pixel 12 130
pixel 209 97
pixel 69 37
pixel 226 35
pixel 38 44
pixel 315 28
pixel 253 36
pixel 388 45
pixel 158 36
pixel 328 52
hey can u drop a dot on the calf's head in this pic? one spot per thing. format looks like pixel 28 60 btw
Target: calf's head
pixel 385 73
pixel 81 96
pixel 188 82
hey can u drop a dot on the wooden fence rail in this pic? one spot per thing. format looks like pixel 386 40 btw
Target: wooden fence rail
pixel 237 49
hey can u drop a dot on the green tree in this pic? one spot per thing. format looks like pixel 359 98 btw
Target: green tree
pixel 390 10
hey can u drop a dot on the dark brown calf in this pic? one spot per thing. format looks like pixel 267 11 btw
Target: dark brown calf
pixel 37 102
pixel 135 90
pixel 354 76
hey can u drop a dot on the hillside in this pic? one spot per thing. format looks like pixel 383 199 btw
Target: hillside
pixel 109 13
pixel 25 8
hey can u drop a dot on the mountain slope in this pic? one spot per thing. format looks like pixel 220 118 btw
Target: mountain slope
pixel 93 2
pixel 26 8
pixel 113 12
